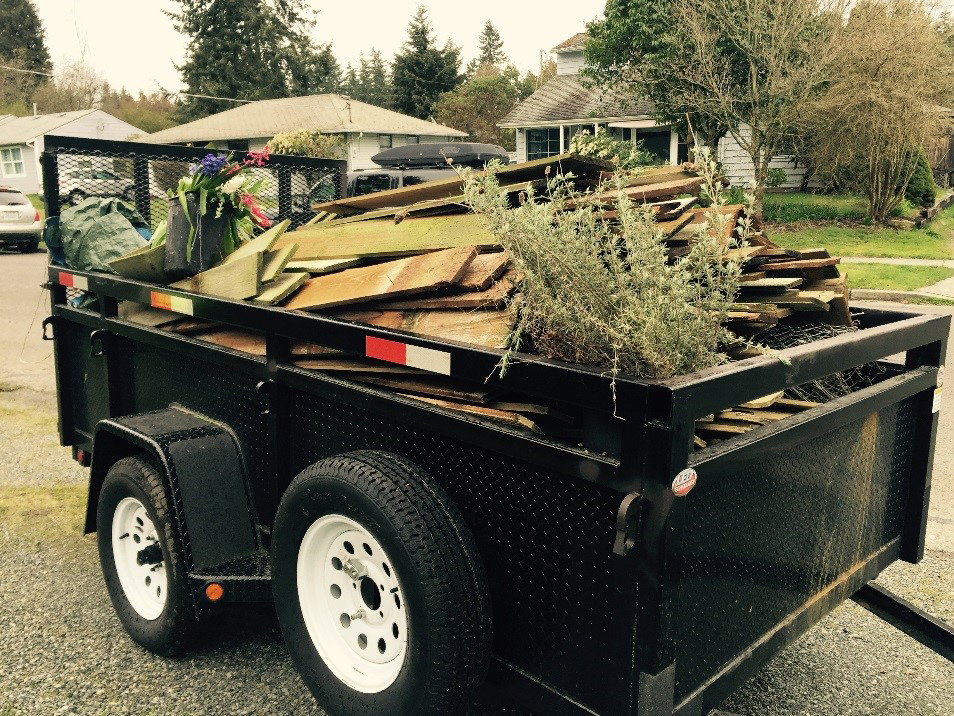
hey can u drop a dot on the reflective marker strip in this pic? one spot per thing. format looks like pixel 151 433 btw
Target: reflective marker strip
pixel 72 281
pixel 170 303
pixel 403 354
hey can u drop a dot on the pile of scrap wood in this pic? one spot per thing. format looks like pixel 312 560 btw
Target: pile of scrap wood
pixel 417 260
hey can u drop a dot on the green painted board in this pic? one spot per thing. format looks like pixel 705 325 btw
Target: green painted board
pixel 280 288
pixel 145 264
pixel 261 243
pixel 383 237
pixel 274 262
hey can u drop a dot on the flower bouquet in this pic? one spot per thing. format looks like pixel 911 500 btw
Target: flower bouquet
pixel 212 211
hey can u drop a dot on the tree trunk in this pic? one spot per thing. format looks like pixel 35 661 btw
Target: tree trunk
pixel 758 186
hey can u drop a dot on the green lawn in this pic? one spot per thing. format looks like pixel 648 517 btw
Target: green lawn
pixel 789 207
pixel 37 202
pixel 933 242
pixel 894 278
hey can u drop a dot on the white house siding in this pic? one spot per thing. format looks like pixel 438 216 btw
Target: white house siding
pixel 569 63
pixel 521 153
pixel 738 168
pixel 30 181
pixel 98 125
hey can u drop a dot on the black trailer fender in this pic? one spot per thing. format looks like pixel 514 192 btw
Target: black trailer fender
pixel 204 473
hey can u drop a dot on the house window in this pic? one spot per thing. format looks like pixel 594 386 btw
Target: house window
pixel 413 139
pixel 384 141
pixel 656 142
pixel 543 142
pixel 237 145
pixel 571 131
pixel 11 159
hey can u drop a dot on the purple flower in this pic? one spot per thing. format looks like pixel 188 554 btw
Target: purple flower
pixel 212 164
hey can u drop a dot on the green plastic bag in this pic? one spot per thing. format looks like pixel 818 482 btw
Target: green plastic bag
pixel 99 230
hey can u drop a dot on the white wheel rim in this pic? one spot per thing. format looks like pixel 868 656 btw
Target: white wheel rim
pixel 145 585
pixel 352 604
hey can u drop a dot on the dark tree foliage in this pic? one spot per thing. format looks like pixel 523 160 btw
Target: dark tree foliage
pixel 369 81
pixel 479 103
pixel 489 50
pixel 633 50
pixel 421 72
pixel 22 44
pixel 249 49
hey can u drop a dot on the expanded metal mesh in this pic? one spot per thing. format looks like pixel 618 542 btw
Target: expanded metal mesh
pixel 143 177
pixel 830 386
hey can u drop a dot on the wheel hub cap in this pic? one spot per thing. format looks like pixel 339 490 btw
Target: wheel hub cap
pixel 138 558
pixel 352 603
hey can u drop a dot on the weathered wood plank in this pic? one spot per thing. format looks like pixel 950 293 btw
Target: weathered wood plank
pixel 318 266
pixel 280 288
pixel 483 271
pixel 480 411
pixel 236 279
pixel 274 262
pixel 260 244
pixel 485 328
pixel 145 264
pixel 494 297
pixel 394 278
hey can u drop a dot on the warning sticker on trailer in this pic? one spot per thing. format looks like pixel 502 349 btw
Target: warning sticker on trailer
pixel 405 354
pixel 166 302
pixel 683 482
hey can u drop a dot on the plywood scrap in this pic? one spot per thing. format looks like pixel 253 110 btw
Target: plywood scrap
pixel 319 266
pixel 274 262
pixel 145 264
pixel 484 328
pixel 480 411
pixel 237 279
pixel 382 238
pixel 416 274
pixel 280 288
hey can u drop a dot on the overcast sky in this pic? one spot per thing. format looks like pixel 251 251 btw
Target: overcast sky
pixel 133 45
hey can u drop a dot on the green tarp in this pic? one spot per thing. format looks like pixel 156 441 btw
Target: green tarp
pixel 97 231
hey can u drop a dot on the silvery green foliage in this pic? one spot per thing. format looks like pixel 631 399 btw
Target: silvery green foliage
pixel 602 292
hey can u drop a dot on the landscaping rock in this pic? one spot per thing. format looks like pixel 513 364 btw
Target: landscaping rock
pixel 901 224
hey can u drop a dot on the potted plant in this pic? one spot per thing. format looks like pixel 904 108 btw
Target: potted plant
pixel 212 211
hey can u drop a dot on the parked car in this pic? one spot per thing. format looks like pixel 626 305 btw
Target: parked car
pixel 81 183
pixel 418 163
pixel 20 224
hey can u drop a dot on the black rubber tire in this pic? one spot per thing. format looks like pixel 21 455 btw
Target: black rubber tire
pixel 174 631
pixel 433 552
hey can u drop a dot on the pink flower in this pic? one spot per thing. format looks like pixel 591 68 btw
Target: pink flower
pixel 256 159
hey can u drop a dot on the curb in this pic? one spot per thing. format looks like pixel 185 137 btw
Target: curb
pixel 871 294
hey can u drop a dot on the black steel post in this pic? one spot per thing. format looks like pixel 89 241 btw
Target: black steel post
pixel 284 193
pixel 51 184
pixel 901 614
pixel 141 187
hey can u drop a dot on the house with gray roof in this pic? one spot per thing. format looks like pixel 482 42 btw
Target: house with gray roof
pixel 21 141
pixel 548 119
pixel 365 128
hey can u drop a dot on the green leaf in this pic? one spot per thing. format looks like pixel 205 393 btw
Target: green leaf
pixel 159 235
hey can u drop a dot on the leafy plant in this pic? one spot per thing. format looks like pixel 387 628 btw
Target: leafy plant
pixel 603 145
pixel 774 178
pixel 307 144
pixel 219 183
pixel 602 291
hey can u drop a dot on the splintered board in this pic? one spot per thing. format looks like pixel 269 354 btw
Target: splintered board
pixel 493 297
pixel 416 274
pixel 260 244
pixel 429 385
pixel 643 193
pixel 274 262
pixel 335 364
pixel 280 288
pixel 533 170
pixel 484 328
pixel 237 339
pixel 234 278
pixel 145 264
pixel 383 237
pixel 483 271
pixel 481 411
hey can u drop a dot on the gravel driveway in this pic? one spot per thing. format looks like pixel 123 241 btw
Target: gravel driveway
pixel 62 650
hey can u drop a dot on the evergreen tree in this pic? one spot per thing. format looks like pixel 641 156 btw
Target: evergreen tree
pixel 477 105
pixel 490 50
pixel 247 49
pixel 22 45
pixel 421 72
pixel 376 89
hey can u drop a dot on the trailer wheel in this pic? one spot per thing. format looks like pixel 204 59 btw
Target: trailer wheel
pixel 379 591
pixel 142 560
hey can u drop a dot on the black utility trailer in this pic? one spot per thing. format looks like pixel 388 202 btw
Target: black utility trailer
pixel 629 575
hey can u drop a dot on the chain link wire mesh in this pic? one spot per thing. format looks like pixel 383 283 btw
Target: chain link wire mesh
pixel 143 174
pixel 830 386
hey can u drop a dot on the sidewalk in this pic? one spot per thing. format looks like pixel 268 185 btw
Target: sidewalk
pixel 941 289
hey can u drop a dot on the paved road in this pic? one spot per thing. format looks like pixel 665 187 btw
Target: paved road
pixel 67 655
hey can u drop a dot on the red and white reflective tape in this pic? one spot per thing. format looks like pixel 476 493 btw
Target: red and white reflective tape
pixel 168 302
pixel 404 354
pixel 71 280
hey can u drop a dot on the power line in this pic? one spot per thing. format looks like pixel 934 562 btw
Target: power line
pixel 29 72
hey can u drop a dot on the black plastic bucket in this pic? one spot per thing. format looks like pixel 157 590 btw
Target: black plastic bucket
pixel 207 242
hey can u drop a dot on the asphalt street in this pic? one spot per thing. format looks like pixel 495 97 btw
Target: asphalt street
pixel 62 650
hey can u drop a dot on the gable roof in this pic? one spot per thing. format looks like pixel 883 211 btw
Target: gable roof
pixel 572 44
pixel 328 113
pixel 565 98
pixel 17 130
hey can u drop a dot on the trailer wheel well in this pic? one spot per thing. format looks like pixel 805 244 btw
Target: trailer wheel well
pixel 109 449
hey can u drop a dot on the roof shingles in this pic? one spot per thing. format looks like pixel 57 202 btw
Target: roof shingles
pixel 328 113
pixel 17 130
pixel 565 98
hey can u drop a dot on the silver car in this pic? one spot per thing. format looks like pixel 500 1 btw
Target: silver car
pixel 20 224
pixel 82 183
